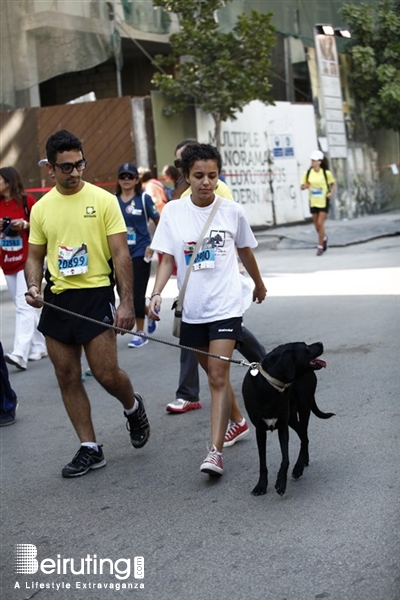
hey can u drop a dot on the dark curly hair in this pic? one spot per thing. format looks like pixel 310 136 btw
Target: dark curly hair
pixel 194 152
pixel 61 141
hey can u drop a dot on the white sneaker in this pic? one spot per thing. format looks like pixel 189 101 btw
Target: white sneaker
pixel 180 405
pixel 17 361
pixel 37 355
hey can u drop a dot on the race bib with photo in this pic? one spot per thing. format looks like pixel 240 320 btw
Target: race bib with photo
pixel 72 261
pixel 205 258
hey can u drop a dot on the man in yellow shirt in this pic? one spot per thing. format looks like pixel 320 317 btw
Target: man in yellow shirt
pixel 80 228
pixel 320 184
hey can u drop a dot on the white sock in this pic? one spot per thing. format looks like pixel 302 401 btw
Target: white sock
pixel 134 408
pixel 242 422
pixel 92 445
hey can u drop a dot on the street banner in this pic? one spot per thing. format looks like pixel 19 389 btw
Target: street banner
pixel 331 93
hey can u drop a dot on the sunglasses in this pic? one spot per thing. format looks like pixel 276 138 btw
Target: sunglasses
pixel 67 168
pixel 126 176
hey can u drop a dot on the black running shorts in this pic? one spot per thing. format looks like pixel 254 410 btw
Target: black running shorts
pixel 314 210
pixel 200 335
pixel 96 303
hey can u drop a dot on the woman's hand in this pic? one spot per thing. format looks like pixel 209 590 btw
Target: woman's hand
pixel 148 254
pixel 14 225
pixel 19 224
pixel 259 293
pixel 154 306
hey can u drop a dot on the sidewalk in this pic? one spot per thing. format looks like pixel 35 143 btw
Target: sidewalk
pixel 340 233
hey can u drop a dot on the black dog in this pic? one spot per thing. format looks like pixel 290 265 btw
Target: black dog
pixel 279 393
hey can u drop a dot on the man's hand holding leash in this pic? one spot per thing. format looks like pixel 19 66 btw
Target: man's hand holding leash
pixel 124 316
pixel 33 296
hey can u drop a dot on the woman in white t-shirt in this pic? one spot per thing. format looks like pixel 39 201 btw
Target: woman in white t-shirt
pixel 213 302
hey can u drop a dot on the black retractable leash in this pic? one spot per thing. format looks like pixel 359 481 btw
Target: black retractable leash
pixel 242 362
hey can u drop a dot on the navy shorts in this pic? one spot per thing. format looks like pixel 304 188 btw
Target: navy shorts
pixel 200 335
pixel 96 303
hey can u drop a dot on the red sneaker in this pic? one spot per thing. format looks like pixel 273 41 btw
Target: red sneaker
pixel 212 463
pixel 235 433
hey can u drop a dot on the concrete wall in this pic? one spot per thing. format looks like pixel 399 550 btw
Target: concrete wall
pixel 388 148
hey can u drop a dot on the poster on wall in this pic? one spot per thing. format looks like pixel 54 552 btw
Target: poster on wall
pixel 330 118
pixel 263 153
pixel 331 93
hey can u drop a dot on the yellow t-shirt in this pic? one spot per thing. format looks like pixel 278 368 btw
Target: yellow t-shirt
pixel 75 229
pixel 318 188
pixel 222 190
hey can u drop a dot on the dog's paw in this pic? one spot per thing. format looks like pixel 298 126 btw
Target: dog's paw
pixel 280 487
pixel 260 489
pixel 297 471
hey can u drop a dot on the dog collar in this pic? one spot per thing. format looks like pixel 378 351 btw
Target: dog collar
pixel 278 385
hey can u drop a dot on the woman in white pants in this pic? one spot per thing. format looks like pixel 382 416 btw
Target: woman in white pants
pixel 15 207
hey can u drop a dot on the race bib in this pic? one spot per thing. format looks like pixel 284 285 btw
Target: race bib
pixel 11 244
pixel 72 261
pixel 316 192
pixel 131 210
pixel 131 236
pixel 205 258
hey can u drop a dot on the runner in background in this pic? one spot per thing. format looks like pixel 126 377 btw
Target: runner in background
pixel 319 182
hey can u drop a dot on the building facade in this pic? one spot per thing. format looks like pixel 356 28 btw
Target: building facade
pixel 58 52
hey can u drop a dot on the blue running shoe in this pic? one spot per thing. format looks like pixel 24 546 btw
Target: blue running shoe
pixel 138 341
pixel 151 325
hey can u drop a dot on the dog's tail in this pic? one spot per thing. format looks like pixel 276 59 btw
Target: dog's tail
pixel 318 413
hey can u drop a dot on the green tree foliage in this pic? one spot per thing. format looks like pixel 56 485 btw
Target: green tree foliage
pixel 375 52
pixel 218 72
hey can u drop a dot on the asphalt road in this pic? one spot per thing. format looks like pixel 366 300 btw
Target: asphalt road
pixel 335 533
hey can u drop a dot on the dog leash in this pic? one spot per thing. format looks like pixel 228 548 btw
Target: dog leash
pixel 241 362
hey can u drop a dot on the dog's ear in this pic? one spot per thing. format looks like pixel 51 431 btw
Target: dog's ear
pixel 283 367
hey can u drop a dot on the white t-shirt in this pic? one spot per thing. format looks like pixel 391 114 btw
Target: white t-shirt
pixel 214 289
